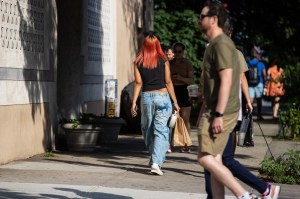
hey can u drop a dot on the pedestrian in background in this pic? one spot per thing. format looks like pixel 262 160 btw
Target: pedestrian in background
pixel 220 76
pixel 168 50
pixel 256 89
pixel 274 86
pixel 152 75
pixel 182 75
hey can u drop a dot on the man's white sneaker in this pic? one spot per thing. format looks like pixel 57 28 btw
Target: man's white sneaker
pixel 253 196
pixel 156 170
pixel 274 192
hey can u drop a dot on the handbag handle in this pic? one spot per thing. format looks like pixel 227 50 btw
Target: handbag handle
pixel 173 119
pixel 248 115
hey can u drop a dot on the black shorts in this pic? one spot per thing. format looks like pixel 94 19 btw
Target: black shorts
pixel 182 96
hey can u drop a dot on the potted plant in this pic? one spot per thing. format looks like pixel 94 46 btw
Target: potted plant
pixel 111 128
pixel 81 135
pixel 89 130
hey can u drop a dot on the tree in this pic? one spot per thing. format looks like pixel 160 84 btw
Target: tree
pixel 148 15
pixel 180 25
pixel 271 25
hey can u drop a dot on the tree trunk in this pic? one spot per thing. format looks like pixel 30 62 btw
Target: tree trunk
pixel 148 15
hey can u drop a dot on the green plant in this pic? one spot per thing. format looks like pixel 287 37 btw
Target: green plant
pixel 86 118
pixel 49 154
pixel 75 122
pixel 180 26
pixel 290 121
pixel 291 83
pixel 285 169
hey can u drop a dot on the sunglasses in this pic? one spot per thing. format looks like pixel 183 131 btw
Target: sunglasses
pixel 202 16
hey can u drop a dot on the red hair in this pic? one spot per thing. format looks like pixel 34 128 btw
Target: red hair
pixel 150 52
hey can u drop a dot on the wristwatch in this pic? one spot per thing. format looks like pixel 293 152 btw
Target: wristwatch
pixel 216 114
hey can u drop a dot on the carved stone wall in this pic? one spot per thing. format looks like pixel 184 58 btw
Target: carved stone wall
pixel 28 64
pixel 98 41
pixel 23 34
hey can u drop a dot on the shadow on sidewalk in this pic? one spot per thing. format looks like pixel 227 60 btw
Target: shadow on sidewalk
pixel 129 154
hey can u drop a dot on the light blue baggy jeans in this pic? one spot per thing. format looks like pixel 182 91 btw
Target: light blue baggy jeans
pixel 156 109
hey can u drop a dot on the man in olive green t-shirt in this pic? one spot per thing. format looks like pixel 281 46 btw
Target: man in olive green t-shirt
pixel 220 75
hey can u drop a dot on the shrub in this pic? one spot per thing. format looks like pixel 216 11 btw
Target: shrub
pixel 180 26
pixel 290 121
pixel 285 169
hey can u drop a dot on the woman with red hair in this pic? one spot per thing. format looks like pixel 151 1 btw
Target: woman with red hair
pixel 152 75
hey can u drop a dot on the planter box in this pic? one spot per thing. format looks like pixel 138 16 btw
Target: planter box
pixel 82 138
pixel 111 129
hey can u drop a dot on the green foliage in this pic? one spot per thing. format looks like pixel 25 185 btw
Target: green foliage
pixel 279 39
pixel 85 118
pixel 49 154
pixel 180 26
pixel 292 82
pixel 285 169
pixel 75 123
pixel 176 20
pixel 290 120
pixel 290 105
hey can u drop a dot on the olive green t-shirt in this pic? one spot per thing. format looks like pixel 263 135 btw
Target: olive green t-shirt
pixel 221 54
pixel 242 62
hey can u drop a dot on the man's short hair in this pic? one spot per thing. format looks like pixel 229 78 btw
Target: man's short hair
pixel 228 27
pixel 216 8
pixel 179 44
pixel 166 48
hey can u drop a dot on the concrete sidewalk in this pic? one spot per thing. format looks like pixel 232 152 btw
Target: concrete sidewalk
pixel 120 171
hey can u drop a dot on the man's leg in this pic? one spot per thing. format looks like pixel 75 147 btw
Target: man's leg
pixel 259 89
pixel 214 163
pixel 275 107
pixel 259 106
pixel 221 174
pixel 239 170
pixel 207 173
pixel 217 187
pixel 207 184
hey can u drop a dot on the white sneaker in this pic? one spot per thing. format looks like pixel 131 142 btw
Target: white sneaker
pixel 253 196
pixel 274 192
pixel 156 170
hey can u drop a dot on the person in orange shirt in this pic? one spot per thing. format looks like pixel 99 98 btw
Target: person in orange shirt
pixel 274 86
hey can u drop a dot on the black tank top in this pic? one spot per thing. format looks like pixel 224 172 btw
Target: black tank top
pixel 153 79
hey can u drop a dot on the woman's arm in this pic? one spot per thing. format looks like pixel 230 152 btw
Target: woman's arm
pixel 169 85
pixel 136 90
pixel 245 90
